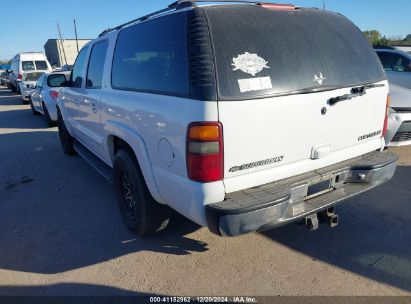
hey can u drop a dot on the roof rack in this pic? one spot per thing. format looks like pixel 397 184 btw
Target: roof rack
pixel 180 4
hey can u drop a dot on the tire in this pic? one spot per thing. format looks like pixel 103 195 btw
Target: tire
pixel 50 122
pixel 67 141
pixel 33 110
pixel 141 213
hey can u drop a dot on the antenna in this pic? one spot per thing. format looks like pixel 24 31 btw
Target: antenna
pixel 323 5
pixel 75 31
pixel 62 43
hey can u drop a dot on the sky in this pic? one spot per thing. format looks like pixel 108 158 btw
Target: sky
pixel 36 22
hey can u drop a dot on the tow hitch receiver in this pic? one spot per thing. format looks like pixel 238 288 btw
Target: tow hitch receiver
pixel 324 217
pixel 329 217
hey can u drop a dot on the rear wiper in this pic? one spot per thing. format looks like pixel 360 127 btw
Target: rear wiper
pixel 355 92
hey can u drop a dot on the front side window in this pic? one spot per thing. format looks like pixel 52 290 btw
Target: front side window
pixel 394 62
pixel 41 65
pixel 78 69
pixel 28 66
pixel 96 65
pixel 152 57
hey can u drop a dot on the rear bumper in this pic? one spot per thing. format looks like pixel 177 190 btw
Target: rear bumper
pixel 279 203
pixel 399 129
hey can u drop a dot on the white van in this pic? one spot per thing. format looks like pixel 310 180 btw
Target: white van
pixel 26 62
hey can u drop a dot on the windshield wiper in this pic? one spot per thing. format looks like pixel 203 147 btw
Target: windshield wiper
pixel 355 92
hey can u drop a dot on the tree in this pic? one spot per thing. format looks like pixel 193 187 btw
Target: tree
pixel 374 37
pixel 408 38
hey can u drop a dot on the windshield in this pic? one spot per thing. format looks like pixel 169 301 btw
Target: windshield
pixel 261 52
pixel 32 76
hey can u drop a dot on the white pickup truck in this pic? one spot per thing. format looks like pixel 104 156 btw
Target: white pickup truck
pixel 240 116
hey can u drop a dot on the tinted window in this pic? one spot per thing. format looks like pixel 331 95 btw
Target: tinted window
pixel 152 57
pixel 41 65
pixel 394 62
pixel 56 80
pixel 96 65
pixel 28 66
pixel 78 69
pixel 32 76
pixel 261 52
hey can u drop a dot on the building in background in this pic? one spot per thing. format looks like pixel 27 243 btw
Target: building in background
pixel 63 52
pixel 404 48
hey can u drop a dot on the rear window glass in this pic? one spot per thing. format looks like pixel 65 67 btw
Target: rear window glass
pixel 56 80
pixel 32 76
pixel 41 65
pixel 28 66
pixel 152 57
pixel 261 52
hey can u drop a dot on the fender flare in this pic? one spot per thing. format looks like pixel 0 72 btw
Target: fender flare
pixel 137 144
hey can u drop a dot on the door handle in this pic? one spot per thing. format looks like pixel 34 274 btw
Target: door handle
pixel 93 107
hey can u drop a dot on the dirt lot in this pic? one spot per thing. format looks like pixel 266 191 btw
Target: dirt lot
pixel 61 234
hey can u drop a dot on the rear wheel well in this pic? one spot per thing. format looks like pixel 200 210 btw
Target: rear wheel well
pixel 116 144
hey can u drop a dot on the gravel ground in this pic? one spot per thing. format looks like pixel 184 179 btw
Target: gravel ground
pixel 61 234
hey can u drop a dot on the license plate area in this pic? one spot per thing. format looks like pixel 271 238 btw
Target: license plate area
pixel 319 188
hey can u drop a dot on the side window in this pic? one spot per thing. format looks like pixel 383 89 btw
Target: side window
pixel 152 57
pixel 394 62
pixel 96 65
pixel 78 70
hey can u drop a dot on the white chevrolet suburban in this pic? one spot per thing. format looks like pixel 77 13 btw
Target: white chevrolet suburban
pixel 242 117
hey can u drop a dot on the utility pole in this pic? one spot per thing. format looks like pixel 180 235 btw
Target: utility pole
pixel 75 31
pixel 62 44
pixel 323 5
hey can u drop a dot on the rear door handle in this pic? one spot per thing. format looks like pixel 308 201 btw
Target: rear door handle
pixel 93 107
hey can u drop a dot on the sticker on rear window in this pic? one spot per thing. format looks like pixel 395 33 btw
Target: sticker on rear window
pixel 249 63
pixel 255 84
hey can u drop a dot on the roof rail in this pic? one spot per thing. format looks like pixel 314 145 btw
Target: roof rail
pixel 174 6
pixel 180 4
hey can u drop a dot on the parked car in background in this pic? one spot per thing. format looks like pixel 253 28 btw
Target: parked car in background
pixel 3 78
pixel 28 81
pixel 399 122
pixel 26 62
pixel 397 65
pixel 44 95
pixel 199 108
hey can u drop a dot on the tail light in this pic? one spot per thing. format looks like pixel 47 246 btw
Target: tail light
pixel 205 152
pixel 387 111
pixel 277 6
pixel 54 95
pixel 20 77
